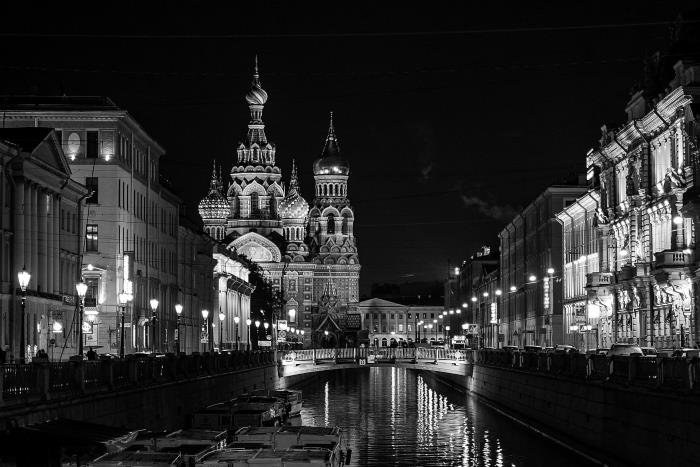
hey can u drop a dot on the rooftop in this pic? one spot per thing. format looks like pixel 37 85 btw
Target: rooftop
pixel 57 103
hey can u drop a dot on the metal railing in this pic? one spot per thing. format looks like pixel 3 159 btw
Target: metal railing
pixel 379 354
pixel 658 372
pixel 24 383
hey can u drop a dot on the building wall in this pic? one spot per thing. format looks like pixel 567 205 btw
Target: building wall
pixel 645 171
pixel 39 227
pixel 530 245
pixel 132 212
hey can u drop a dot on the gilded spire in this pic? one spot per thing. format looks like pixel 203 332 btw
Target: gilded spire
pixel 331 131
pixel 214 182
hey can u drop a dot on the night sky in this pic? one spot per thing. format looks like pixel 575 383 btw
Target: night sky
pixel 452 120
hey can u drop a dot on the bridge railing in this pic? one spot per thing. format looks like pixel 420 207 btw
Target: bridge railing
pixel 376 354
pixel 24 383
pixel 661 372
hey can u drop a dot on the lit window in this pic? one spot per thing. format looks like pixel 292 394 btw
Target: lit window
pixel 91 237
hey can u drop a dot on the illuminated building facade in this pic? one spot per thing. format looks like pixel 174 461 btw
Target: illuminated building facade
pixel 531 267
pixel 588 300
pixel 129 222
pixel 645 172
pixel 40 215
pixel 306 250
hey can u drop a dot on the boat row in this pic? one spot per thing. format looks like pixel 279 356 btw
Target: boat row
pixel 250 430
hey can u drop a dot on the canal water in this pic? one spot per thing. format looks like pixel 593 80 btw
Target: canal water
pixel 393 416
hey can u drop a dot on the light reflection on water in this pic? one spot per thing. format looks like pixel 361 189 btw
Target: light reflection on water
pixel 393 416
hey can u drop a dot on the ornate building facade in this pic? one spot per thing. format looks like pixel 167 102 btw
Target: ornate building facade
pixel 646 173
pixel 306 250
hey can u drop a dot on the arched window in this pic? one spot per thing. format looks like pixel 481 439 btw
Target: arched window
pixel 384 342
pixel 254 206
pixel 330 229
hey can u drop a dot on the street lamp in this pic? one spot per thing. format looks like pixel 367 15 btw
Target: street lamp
pixel 222 316
pixel 123 298
pixel 178 312
pixel 154 307
pixel 292 312
pixel 532 278
pixel 236 320
pixel 23 277
pixel 464 305
pixel 205 316
pixel 447 332
pixel 81 288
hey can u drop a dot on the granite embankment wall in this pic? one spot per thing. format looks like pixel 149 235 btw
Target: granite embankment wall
pixel 155 407
pixel 615 424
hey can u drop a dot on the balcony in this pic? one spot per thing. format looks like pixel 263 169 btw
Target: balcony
pixel 599 279
pixel 672 259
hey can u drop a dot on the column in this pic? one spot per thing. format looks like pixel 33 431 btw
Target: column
pixel 28 214
pixel 34 229
pixel 42 241
pixel 56 245
pixel 52 254
pixel 20 234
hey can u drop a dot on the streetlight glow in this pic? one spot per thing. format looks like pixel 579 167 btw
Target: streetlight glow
pixel 473 299
pixel 465 305
pixel 550 271
pixel 513 288
pixel 532 278
pixel 154 304
pixel 178 309
pixel 205 314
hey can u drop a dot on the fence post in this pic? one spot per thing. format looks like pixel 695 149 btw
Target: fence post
pixel 79 374
pixel 108 372
pixel 42 379
pixel 633 367
pixel 133 371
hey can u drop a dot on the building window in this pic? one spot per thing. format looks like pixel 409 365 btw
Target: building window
pixel 92 145
pixel 91 183
pixel 91 237
pixel 375 316
pixel 392 316
pixel 331 224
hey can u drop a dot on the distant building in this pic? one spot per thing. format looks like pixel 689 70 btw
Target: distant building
pixel 467 301
pixel 531 270
pixel 387 322
pixel 40 233
pixel 306 250
pixel 130 224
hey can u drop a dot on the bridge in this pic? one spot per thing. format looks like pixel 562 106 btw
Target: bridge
pixel 452 361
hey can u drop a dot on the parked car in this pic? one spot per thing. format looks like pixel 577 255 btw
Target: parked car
pixel 533 348
pixel 686 353
pixel 649 351
pixel 510 348
pixel 624 350
pixel 563 348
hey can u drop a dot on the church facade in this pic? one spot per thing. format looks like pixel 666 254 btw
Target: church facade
pixel 306 250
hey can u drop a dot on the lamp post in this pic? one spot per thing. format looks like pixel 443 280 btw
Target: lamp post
pixel 257 330
pixel 81 288
pixel 248 322
pixel 236 320
pixel 23 277
pixel 447 332
pixel 123 298
pixel 222 316
pixel 205 315
pixel 154 307
pixel 178 312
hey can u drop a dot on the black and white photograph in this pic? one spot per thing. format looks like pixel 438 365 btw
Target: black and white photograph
pixel 334 234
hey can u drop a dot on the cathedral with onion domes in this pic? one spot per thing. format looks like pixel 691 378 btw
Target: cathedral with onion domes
pixel 306 250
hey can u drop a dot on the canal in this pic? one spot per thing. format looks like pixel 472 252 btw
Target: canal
pixel 393 416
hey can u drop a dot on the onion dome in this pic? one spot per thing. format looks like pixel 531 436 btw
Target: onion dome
pixel 293 206
pixel 214 205
pixel 331 162
pixel 256 95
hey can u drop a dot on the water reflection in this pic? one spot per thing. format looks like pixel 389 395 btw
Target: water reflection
pixel 393 416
